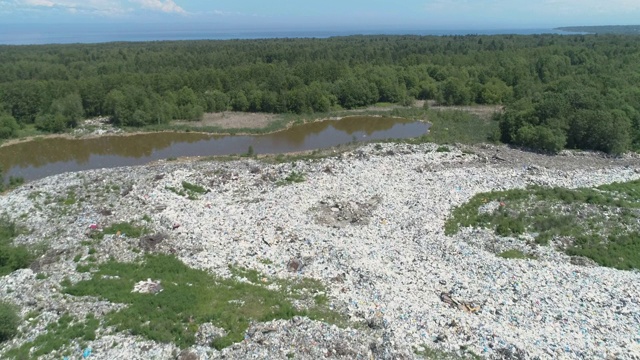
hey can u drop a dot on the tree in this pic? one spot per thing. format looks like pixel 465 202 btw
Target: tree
pixel 216 101
pixel 608 131
pixel 494 92
pixel 352 92
pixel 239 101
pixel 8 126
pixel 70 107
pixel 119 106
pixel 454 91
pixel 541 138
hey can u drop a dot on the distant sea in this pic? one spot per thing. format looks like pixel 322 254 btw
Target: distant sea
pixel 24 35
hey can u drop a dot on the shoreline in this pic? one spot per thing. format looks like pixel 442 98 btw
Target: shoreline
pixel 194 130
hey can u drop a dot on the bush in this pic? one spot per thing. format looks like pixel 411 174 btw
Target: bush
pixel 9 321
pixel 8 126
pixel 541 138
pixel 12 257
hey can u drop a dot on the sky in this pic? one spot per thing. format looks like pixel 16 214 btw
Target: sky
pixel 325 14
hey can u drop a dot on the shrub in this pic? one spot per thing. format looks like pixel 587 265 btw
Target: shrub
pixel 9 321
pixel 8 126
pixel 12 257
pixel 514 254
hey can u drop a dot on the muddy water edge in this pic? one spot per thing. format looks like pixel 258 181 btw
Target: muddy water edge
pixel 49 156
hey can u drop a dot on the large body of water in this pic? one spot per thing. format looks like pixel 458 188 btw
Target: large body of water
pixel 40 158
pixel 36 34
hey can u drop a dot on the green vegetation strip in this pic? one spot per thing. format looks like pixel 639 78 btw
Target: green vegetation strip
pixel 600 223
pixel 12 257
pixel 189 190
pixel 127 229
pixel 192 297
pixel 9 321
pixel 58 336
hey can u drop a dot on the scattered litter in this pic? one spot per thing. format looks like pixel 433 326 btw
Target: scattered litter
pixel 458 304
pixel 148 287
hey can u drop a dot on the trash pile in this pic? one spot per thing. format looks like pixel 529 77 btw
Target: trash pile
pixel 365 224
pixel 147 287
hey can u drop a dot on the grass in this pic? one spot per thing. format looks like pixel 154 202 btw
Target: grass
pixel 13 183
pixel 293 177
pixel 189 190
pixel 450 126
pixel 9 321
pixel 191 297
pixel 515 254
pixel 601 223
pixel 433 354
pixel 127 229
pixel 13 257
pixel 59 335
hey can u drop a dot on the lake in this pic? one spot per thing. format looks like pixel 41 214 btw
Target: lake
pixel 49 156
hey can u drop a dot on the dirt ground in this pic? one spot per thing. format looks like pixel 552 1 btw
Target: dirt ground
pixel 232 120
pixel 566 159
pixel 482 111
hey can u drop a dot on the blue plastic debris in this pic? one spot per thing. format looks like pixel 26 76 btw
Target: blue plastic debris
pixel 86 353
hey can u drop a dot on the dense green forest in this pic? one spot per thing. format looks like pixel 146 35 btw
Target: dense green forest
pixel 604 29
pixel 576 91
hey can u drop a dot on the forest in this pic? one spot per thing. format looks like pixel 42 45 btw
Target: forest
pixel 559 91
pixel 604 29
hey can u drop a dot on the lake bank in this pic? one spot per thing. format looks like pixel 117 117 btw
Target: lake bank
pixel 37 159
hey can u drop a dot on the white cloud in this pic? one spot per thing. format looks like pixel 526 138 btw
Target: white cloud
pixel 100 7
pixel 167 6
pixel 46 3
pixel 104 7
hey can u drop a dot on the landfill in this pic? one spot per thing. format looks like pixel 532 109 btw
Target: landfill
pixel 369 224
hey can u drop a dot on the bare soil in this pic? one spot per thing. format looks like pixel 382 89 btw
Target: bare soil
pixel 566 159
pixel 231 120
pixel 482 111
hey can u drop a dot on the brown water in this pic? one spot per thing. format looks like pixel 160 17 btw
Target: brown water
pixel 37 159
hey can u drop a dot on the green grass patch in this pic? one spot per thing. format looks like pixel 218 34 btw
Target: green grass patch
pixel 127 229
pixel 450 126
pixel 197 189
pixel 13 257
pixel 293 177
pixel 429 353
pixel 600 222
pixel 191 297
pixel 59 336
pixel 188 190
pixel 9 321
pixel 515 254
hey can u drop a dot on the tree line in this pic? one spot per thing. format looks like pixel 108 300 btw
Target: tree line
pixel 576 91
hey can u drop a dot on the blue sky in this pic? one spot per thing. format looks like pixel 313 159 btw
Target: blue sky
pixel 326 14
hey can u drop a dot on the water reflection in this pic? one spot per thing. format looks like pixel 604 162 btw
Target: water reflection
pixel 37 159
